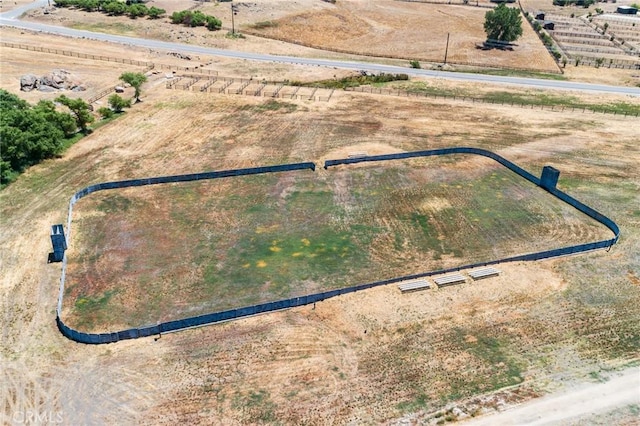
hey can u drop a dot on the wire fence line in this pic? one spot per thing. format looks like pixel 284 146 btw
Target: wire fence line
pixel 559 108
pixel 474 3
pixel 432 59
pixel 149 65
pixel 186 323
pixel 247 87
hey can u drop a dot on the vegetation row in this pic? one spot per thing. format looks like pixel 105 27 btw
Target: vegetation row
pixel 135 9
pixel 30 134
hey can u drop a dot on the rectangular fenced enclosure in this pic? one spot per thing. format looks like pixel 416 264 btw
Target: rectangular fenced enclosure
pixel 151 254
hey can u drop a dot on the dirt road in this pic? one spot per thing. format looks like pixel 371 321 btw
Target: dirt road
pixel 572 405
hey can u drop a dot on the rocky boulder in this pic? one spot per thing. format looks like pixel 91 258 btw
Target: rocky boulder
pixel 58 79
pixel 28 82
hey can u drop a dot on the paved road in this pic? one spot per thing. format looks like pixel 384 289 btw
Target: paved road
pixel 573 406
pixel 11 19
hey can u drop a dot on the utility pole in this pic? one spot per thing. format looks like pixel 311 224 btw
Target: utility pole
pixel 234 11
pixel 446 50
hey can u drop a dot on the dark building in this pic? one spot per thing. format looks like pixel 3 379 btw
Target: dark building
pixel 627 10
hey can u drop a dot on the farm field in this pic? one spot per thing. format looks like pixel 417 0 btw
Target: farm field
pixel 194 248
pixel 536 326
pixel 387 28
pixel 373 357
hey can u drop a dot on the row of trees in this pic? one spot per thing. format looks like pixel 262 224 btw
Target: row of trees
pixel 32 133
pixel 133 9
pixel 29 134
pixel 196 19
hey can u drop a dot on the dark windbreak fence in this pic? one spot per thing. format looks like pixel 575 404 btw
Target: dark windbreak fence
pixel 181 324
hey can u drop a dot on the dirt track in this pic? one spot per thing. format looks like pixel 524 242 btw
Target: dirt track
pixel 573 406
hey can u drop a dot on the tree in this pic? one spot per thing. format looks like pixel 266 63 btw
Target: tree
pixel 80 109
pixel 155 12
pixel 135 80
pixel 118 103
pixel 105 112
pixel 62 121
pixel 198 19
pixel 180 17
pixel 29 134
pixel 213 23
pixel 137 10
pixel 115 8
pixel 503 23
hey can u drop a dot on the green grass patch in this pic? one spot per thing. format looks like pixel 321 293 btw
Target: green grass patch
pixel 207 246
pixel 105 27
pixel 521 74
pixel 522 99
pixel 92 309
pixel 264 24
pixel 113 203
pixel 495 360
pixel 271 105
pixel 542 99
pixel 256 407
pixel 353 81
pixel 419 402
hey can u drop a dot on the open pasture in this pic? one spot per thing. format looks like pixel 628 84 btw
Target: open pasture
pixel 165 252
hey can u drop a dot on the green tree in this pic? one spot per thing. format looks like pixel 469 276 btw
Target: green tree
pixel 179 17
pixel 115 8
pixel 213 23
pixel 135 79
pixel 29 134
pixel 503 23
pixel 198 19
pixel 105 112
pixel 155 12
pixel 62 121
pixel 137 10
pixel 80 110
pixel 88 5
pixel 118 103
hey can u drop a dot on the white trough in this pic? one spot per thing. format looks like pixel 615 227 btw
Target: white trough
pixel 478 274
pixel 450 280
pixel 414 286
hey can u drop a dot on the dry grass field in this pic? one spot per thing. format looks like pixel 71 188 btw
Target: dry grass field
pixel 195 248
pixel 384 28
pixel 374 357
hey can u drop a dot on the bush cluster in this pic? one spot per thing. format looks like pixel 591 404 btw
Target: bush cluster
pixel 132 8
pixel 29 134
pixel 354 81
pixel 583 3
pixel 547 40
pixel 196 19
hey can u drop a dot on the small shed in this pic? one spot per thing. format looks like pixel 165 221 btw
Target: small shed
pixel 548 25
pixel 59 242
pixel 627 10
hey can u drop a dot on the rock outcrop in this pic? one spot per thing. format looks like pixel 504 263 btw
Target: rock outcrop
pixel 56 80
